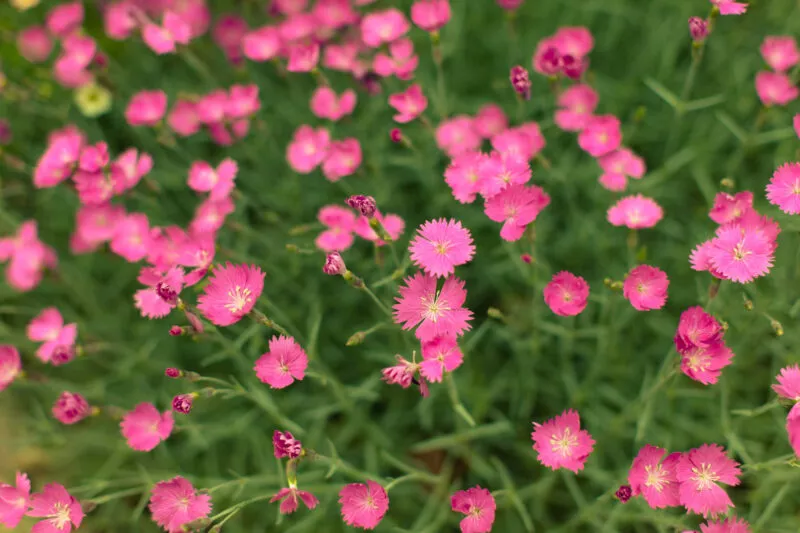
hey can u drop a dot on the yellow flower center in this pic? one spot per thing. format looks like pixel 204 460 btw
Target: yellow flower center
pixel 239 298
pixel 704 476
pixel 564 443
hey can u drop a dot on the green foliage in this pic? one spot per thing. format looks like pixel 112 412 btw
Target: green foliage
pixel 611 363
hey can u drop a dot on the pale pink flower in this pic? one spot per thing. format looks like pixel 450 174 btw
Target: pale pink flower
pixel 430 15
pixel 635 212
pixel 211 107
pixel 363 504
pixel 219 182
pixel 334 14
pixel 440 312
pixel 34 44
pixel 525 140
pixel 303 57
pixel 696 328
pixel 144 427
pixel 780 52
pixel 131 238
pixel 128 169
pixel 340 223
pixel 462 176
pixel 490 121
pixel 654 476
pixel 729 7
pixel 393 224
pixel 457 135
pixel 440 355
pixel 385 26
pixel 298 28
pixel 325 103
pixel 775 88
pixel 789 383
pixel 308 148
pixel 210 215
pixel 730 208
pixel 63 19
pixel 119 20
pixel 48 327
pixel 288 498
pixel 161 296
pixel 343 57
pixel 440 246
pixel 227 33
pixel 183 119
pixel 646 288
pixel 401 61
pixel 729 525
pixel 70 408
pixel 10 368
pixel 242 102
pixel 146 108
pixel 27 257
pixel 479 506
pixel 576 41
pixel 618 166
pixel 741 254
pixel 566 294
pixel 162 39
pixel 499 171
pixel 59 509
pixel 59 160
pixel 561 443
pixel 516 207
pixel 262 44
pixel 699 472
pixel 783 189
pixel 796 124
pixel 343 159
pixel 175 503
pixel 285 362
pixel 14 501
pixel 285 445
pixel 231 293
pixel 602 135
pixel 409 104
pixel 576 105
pixel 705 363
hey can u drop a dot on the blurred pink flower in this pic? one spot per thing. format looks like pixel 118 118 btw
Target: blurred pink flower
pixel 783 189
pixel 462 176
pixel 14 501
pixel 635 212
pixel 119 19
pixel 343 159
pixel 602 135
pixel 793 430
pixel 288 498
pixel 440 355
pixel 10 368
pixel 645 288
pixel 65 18
pixel 774 88
pixel 796 124
pixel 27 257
pixel 430 15
pixel 227 33
pixel 730 208
pixel 729 525
pixel 303 57
pixel 340 223
pixel 490 121
pixel 561 443
pixel 325 103
pixel 729 7
pixel 440 246
pixel 242 102
pixel 699 472
pixel 144 427
pixel 59 159
pixel 409 104
pixel 262 44
pixel 363 504
pixel 146 108
pixel 385 26
pixel 128 169
pixel 510 5
pixel 788 383
pixel 307 149
pixel 131 239
pixel 218 182
pixel 162 39
pixel 618 166
pixel 437 312
pixel 48 328
pixel 334 14
pixel 525 140
pixel 576 41
pixel 61 511
pixel 654 476
pixel 176 503
pixel 566 294
pixel 393 224
pixel 151 302
pixel 70 408
pixel 231 293
pixel 34 44
pixel 95 224
pixel 780 52
pixel 402 373
pixel 401 61
pixel 285 362
pixel 341 57
pixel 516 207
pixel 183 118
pixel 457 135
pixel 479 506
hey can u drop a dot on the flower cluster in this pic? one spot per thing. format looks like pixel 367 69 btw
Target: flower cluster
pixel 775 87
pixel 701 346
pixel 59 510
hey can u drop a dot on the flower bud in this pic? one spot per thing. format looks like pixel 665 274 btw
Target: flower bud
pixel 71 408
pixel 62 355
pixel 396 135
pixel 624 493
pixel 176 331
pixel 356 338
pixel 334 265
pixel 520 81
pixel 196 323
pixel 698 29
pixel 182 403
pixel 364 204
pixel 526 258
pixel 173 373
pixel 285 445
pixel 166 293
pixel 573 67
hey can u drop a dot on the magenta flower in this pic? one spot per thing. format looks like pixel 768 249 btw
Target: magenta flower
pixel 144 427
pixel 430 15
pixel 231 293
pixel 288 498
pixel 162 39
pixel 219 182
pixel 793 430
pixel 479 506
pixel 525 140
pixel 325 103
pixel 210 215
pixel 70 408
pixel 27 257
pixel 14 501
pixel 440 312
pixel 729 525
pixel 730 7
pixel 307 149
pixel 490 120
pixel 699 472
pixel 385 26
pixel 741 254
pixel 730 208
pixel 516 207
pixel 561 443
pixel 698 29
pixel 363 504
pixel 654 476
pixel 566 294
pixel 789 383
pixel 646 288
pixel 696 328
pixel 409 104
pixel 59 509
pixel 59 159
pixel 285 445
pixel 161 296
pixel 618 166
pixel 440 354
pixel 128 169
pixel 10 365
pixel 501 170
pixel 440 246
pixel 303 57
pixel 457 135
pixel 175 503
pixel 783 189
pixel 285 362
pixel 119 20
pixel 780 52
pixel 775 88
pixel 262 44
pixel 576 106
pixel 462 176
pixel 340 223
pixel 146 108
pixel 601 135
pixel 64 18
pixel 635 212
pixel 705 363
pixel 48 328
pixel 343 159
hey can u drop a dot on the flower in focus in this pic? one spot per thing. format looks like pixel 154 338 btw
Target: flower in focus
pixel 783 189
pixel 705 363
pixel 285 362
pixel 780 52
pixel 409 104
pixel 161 296
pixel 430 15
pixel 566 294
pixel 402 373
pixel 10 365
pixel 175 503
pixel 288 498
pixel 730 7
pixel 775 88
pixel 741 254
pixel 440 246
pixel 654 476
pixel 646 288
pixel 516 207
pixel 601 135
pixel 700 471
pixel 730 208
pixel 635 212
pixel 285 445
pixel 729 525
pixel 59 508
pixel 788 383
pixel 499 171
pixel 440 312
pixel 440 354
pixel 93 100
pixel 48 328
pixel 70 408
pixel 363 504
pixel 231 293
pixel 479 506
pixel 14 501
pixel 561 443
pixel 696 328
pixel 144 427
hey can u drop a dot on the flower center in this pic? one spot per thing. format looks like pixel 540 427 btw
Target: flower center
pixel 655 477
pixel 434 309
pixel 641 288
pixel 563 444
pixel 60 517
pixel 698 360
pixel 475 511
pixel 739 253
pixel 239 298
pixel 442 247
pixel 704 476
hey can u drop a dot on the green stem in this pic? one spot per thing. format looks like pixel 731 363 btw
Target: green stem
pixel 261 318
pixel 458 407
pixel 399 480
pixel 375 299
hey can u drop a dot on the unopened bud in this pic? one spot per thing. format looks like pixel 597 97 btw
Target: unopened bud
pixel 334 265
pixel 364 204
pixel 292 248
pixel 176 331
pixel 396 135
pixel 776 327
pixel 526 258
pixel 356 338
pixel 520 81
pixel 728 183
pixel 748 305
pixel 197 524
pixel 698 29
pixel 640 113
pixel 173 373
pixel 495 313
pixel 197 324
pixel 624 493
pixel 182 403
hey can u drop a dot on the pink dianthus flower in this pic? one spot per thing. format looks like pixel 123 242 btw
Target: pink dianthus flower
pixel 462 176
pixel 705 363
pixel 219 182
pixel 440 246
pixel 48 328
pixel 70 408
pixel 479 506
pixel 14 501
pixel 430 15
pixel 363 504
pixel 741 254
pixel 516 207
pixel 161 296
pixel 775 88
pixel 144 427
pixel 10 365
pixel 601 135
pixel 490 121
pixel 576 105
pixel 285 445
pixel 730 7
pixel 440 312
pixel 783 189
pixel 307 149
pixel 146 108
pixel 175 503
pixel 385 26
pixel 730 208
pixel 699 472
pixel 409 104
pixel 696 328
pixel 789 383
pixel 729 525
pixel 325 103
pixel 440 355
pixel 340 223
pixel 288 498
pixel 60 510
pixel 654 476
pixel 501 170
pixel 457 135
pixel 635 212
pixel 646 288
pixel 285 362
pixel 780 52
pixel 566 294
pixel 561 443
pixel 618 166
pixel 231 293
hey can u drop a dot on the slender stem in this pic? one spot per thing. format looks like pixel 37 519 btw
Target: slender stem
pixel 401 479
pixel 458 407
pixel 115 495
pixel 197 65
pixel 261 318
pixel 377 300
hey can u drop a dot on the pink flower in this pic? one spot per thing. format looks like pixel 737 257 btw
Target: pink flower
pixel 780 52
pixel 335 14
pixel 566 294
pixel 635 212
pixel 730 7
pixel 219 182
pixel 509 5
pixel 128 169
pixel 602 135
pixel 729 525
pixel 175 503
pixel 618 165
pixel 705 363
pixel 479 506
pixel 516 207
pixel 285 362
pixel 393 224
pixel 561 443
pixel 60 510
pixel 430 15
pixel 576 105
pixel 490 121
pixel 144 428
pixel 119 20
pixel 499 171
pixel 70 408
pixel 231 293
pixel 228 33
pixel 409 104
pixel 146 108
pixel 342 159
pixel 210 215
pixel 793 430
pixel 439 312
pixel 27 257
pixel 340 223
pixel 462 176
pixel 440 354
pixel 285 445
pixel 307 149
pixel 796 124
pixel 162 39
pixel 696 328
pixel 262 44
pixel 775 88
pixel 457 135
pixel 655 477
pixel 525 140
pixel 402 373
pixel 59 160
pixel 183 119
pixel 14 501
pixel 303 57
pixel 161 296
pixel 402 62
pixel 131 239
pixel 646 288
pixel 699 472
pixel 730 208
pixel 288 498
pixel 575 41
pixel 63 19
pixel 741 254
pixel 547 58
pixel 440 246
pixel 783 189
pixel 242 102
pixel 789 383
pixel 10 368
pixel 34 44
pixel 363 504
pixel 48 327
pixel 385 26
pixel 96 224
pixel 325 103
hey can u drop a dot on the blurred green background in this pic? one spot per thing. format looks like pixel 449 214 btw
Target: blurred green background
pixel 528 367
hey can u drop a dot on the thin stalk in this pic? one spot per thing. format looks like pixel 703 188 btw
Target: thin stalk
pixel 458 407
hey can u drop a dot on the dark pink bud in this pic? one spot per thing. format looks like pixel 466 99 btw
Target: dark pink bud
pixel 173 373
pixel 510 5
pixel 285 445
pixel 71 408
pixel 62 355
pixel 521 81
pixel 365 204
pixel 371 83
pixel 573 67
pixel 100 60
pixel 698 29
pixel 182 403
pixel 551 62
pixel 526 258
pixel 624 493
pixel 176 331
pixel 196 323
pixel 167 293
pixel 334 265
pixel 396 135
